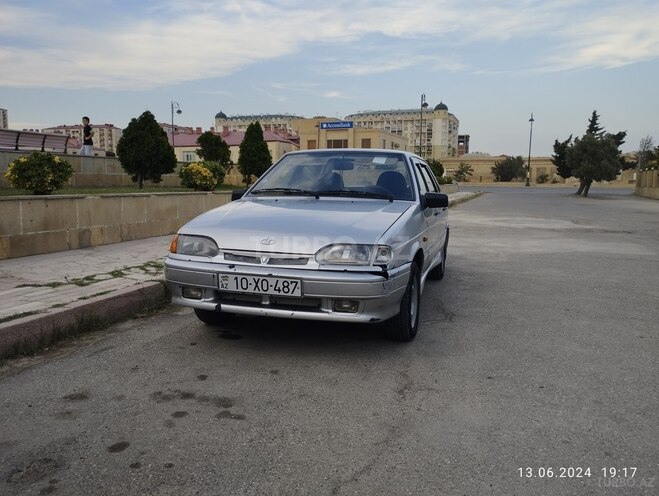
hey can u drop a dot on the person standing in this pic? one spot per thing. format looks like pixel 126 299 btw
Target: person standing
pixel 87 141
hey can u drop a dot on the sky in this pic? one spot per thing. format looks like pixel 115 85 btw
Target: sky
pixel 493 63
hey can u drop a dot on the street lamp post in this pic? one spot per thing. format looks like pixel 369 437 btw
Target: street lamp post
pixel 528 164
pixel 176 106
pixel 424 104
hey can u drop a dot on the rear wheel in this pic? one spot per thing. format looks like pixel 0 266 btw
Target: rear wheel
pixel 403 327
pixel 213 318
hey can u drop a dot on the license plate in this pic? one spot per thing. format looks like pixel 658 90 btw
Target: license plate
pixel 275 286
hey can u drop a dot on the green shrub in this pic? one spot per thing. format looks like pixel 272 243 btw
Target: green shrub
pixel 40 172
pixel 197 177
pixel 216 168
pixel 445 180
pixel 542 178
pixel 436 167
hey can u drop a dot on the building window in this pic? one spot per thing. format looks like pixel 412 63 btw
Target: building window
pixel 337 143
pixel 311 144
pixel 366 142
pixel 189 156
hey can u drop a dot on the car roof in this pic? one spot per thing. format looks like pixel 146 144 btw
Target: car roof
pixel 355 150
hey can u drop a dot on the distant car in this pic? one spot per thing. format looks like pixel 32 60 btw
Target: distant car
pixel 339 235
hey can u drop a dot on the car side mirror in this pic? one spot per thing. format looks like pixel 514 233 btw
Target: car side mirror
pixel 237 194
pixel 435 200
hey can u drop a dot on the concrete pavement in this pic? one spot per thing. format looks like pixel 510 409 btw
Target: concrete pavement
pixel 46 296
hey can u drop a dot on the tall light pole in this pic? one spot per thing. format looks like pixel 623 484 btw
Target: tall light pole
pixel 424 104
pixel 528 164
pixel 176 106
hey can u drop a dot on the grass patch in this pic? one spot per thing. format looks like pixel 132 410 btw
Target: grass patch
pixel 100 293
pixel 151 267
pixel 83 281
pixel 54 284
pixel 18 316
pixel 59 305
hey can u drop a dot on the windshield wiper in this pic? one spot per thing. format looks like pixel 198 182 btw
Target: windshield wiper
pixel 285 191
pixel 362 194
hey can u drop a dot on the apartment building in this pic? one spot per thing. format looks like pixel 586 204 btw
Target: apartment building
pixel 277 123
pixel 106 136
pixel 4 119
pixel 430 133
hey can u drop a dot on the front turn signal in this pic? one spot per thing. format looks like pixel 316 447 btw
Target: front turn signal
pixel 174 244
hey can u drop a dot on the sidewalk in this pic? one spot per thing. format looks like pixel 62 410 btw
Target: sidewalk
pixel 42 296
pixel 54 293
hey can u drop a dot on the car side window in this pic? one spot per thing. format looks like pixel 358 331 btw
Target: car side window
pixel 423 182
pixel 430 178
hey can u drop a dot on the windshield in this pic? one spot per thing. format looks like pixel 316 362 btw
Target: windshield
pixel 340 173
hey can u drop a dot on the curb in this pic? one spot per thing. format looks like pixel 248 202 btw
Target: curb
pixel 464 198
pixel 29 334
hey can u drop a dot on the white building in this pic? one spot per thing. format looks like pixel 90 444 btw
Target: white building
pixel 436 138
pixel 276 123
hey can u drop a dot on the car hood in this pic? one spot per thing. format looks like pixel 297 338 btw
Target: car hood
pixel 296 225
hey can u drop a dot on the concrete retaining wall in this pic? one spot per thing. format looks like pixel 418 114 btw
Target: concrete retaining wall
pixel 30 225
pixel 93 172
pixel 647 184
pixel 90 171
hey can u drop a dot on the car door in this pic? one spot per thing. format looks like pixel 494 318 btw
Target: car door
pixel 436 218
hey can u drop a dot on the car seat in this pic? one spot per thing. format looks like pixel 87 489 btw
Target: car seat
pixel 333 182
pixel 395 183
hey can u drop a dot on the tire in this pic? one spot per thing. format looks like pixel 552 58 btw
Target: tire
pixel 403 327
pixel 212 318
pixel 437 273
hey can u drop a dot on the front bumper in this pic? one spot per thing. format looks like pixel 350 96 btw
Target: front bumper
pixel 378 296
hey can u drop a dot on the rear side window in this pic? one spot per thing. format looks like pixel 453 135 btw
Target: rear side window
pixel 424 181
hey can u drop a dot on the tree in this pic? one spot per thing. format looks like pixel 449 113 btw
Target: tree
pixel 596 156
pixel 213 148
pixel 254 158
pixel 436 167
pixel 463 172
pixel 593 159
pixel 645 152
pixel 594 127
pixel 144 151
pixel 559 158
pixel 508 169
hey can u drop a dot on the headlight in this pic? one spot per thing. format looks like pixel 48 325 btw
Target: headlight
pixel 194 245
pixel 349 254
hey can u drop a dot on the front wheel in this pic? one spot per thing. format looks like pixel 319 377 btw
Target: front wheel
pixel 213 318
pixel 403 327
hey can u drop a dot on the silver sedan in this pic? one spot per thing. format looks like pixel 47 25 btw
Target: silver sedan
pixel 343 235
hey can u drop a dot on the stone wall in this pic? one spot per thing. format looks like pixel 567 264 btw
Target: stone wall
pixel 30 225
pixel 647 184
pixel 482 167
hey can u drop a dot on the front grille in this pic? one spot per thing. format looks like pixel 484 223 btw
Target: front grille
pixel 265 259
pixel 232 257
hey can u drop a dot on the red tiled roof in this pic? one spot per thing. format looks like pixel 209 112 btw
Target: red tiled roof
pixel 232 138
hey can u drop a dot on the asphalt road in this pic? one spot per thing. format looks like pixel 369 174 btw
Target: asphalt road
pixel 539 351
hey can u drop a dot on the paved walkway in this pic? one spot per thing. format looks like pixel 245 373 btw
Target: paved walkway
pixel 42 293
